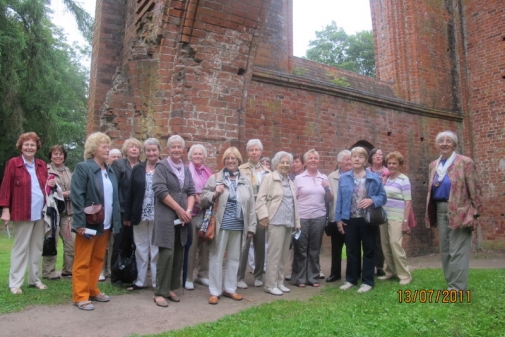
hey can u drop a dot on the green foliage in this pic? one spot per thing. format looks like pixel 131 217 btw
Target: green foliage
pixel 43 86
pixel 342 81
pixel 335 47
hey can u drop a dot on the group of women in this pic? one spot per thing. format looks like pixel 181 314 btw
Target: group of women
pixel 163 202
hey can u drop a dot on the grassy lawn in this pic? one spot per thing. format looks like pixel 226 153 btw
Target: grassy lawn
pixel 377 313
pixel 333 313
pixel 59 292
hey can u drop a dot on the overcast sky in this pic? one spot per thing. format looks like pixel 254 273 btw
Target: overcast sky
pixel 309 16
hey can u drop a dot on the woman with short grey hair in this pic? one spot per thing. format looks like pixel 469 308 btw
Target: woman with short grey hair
pixel 277 210
pixel 200 173
pixel 140 213
pixel 453 205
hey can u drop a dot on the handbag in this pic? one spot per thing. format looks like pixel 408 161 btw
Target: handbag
pixel 95 214
pixel 49 247
pixel 208 229
pixel 125 267
pixel 375 216
pixel 412 219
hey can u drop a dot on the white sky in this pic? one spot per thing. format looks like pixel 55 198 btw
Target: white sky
pixel 309 16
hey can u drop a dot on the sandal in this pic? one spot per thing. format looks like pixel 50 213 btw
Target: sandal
pixel 16 291
pixel 315 285
pixel 134 287
pixel 174 298
pixel 160 301
pixel 40 286
pixel 85 305
pixel 100 298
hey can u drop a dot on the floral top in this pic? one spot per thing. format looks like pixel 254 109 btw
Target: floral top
pixel 148 205
pixel 358 194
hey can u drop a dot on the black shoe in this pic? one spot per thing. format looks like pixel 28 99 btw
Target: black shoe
pixel 380 272
pixel 66 275
pixel 333 278
pixel 117 283
pixel 52 278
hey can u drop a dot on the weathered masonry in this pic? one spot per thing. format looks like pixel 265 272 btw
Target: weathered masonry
pixel 219 72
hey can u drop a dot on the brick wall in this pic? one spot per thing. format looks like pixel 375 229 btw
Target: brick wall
pixel 219 72
pixel 485 57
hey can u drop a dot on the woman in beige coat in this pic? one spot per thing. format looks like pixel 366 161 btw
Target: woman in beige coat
pixel 235 223
pixel 277 209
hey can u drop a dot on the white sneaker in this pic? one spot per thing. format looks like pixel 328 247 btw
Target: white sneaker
pixel 283 288
pixel 385 277
pixel 405 281
pixel 258 283
pixel 347 285
pixel 241 284
pixel 364 288
pixel 101 278
pixel 202 281
pixel 189 285
pixel 274 291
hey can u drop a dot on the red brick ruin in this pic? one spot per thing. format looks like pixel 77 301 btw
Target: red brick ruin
pixel 219 72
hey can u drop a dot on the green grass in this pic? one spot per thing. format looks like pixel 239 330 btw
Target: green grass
pixel 59 292
pixel 376 313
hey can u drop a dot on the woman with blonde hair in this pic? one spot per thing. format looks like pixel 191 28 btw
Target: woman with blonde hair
pixel 358 189
pixel 93 183
pixel 235 223
pixel 398 206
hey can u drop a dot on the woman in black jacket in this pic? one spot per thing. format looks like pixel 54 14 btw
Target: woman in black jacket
pixel 139 212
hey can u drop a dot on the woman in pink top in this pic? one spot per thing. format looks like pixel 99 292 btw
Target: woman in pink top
pixel 312 193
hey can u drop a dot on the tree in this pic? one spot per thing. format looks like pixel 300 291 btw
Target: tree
pixel 43 86
pixel 335 47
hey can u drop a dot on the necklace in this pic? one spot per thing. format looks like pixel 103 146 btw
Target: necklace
pixel 150 169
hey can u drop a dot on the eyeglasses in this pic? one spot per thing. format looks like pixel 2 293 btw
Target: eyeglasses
pixel 230 159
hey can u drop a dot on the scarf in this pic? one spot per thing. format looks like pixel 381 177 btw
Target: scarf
pixel 233 190
pixel 178 170
pixel 200 176
pixel 442 168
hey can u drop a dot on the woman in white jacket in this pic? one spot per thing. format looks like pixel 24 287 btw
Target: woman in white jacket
pixel 276 208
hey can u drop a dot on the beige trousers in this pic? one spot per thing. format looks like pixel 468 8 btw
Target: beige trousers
pixel 68 238
pixel 394 254
pixel 26 251
pixel 279 238
pixel 198 254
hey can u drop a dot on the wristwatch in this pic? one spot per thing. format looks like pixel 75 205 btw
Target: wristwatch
pixel 188 210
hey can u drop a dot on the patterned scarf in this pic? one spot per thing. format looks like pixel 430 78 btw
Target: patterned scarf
pixel 200 176
pixel 233 190
pixel 178 170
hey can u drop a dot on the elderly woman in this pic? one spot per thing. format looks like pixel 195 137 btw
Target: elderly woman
pixel 174 190
pixel 93 183
pixel 398 209
pixel 123 169
pixel 277 209
pixel 377 163
pixel 337 239
pixel 312 192
pixel 140 213
pixel 255 172
pixel 453 205
pixel 235 224
pixel 266 162
pixel 62 175
pixel 200 173
pixel 113 155
pixel 22 199
pixel 357 190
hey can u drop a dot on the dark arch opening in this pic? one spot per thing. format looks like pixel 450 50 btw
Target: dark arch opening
pixel 364 144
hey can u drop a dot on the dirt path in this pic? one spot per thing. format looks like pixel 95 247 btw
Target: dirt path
pixel 136 313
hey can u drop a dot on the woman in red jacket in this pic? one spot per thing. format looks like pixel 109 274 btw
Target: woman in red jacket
pixel 22 199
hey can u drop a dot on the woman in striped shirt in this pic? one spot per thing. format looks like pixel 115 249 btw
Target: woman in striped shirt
pixel 235 222
pixel 398 206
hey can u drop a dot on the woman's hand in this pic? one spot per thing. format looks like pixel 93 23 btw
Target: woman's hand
pixel 365 203
pixel 184 216
pixel 127 223
pixel 81 231
pixel 250 235
pixel 340 226
pixel 264 222
pixel 6 216
pixel 325 183
pixel 219 190
pixel 405 228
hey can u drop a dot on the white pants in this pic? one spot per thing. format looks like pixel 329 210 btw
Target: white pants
pixel 229 241
pixel 278 250
pixel 142 234
pixel 26 251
